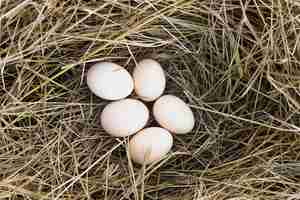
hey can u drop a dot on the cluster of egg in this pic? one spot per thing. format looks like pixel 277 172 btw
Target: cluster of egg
pixel 127 116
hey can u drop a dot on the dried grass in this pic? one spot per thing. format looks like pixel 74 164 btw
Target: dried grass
pixel 236 62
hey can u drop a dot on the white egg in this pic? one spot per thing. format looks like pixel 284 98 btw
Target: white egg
pixel 149 80
pixel 150 144
pixel 124 117
pixel 173 114
pixel 109 81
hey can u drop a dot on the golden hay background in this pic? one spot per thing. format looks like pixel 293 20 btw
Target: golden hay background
pixel 235 62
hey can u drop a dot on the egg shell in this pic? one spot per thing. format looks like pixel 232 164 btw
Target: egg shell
pixel 149 80
pixel 109 81
pixel 173 114
pixel 124 117
pixel 150 144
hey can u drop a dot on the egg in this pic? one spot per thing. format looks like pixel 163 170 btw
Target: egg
pixel 150 144
pixel 109 81
pixel 124 117
pixel 149 80
pixel 173 114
